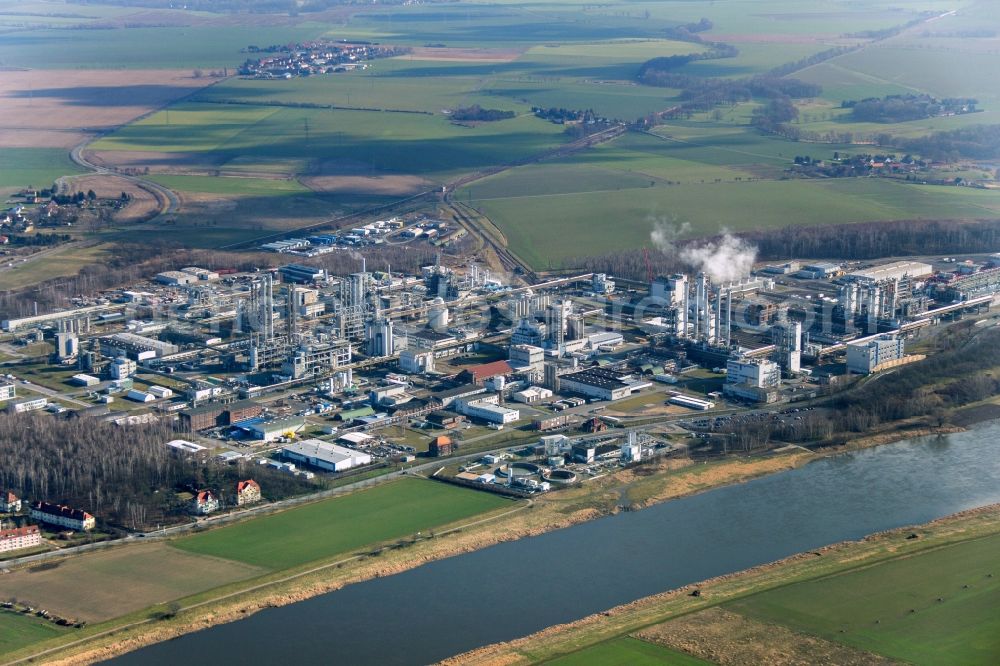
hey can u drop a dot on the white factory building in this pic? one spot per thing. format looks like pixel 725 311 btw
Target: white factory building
pixel 756 372
pixel 325 455
pixel 874 355
pixel 896 270
pixel 486 408
pixel 532 394
pixel 755 379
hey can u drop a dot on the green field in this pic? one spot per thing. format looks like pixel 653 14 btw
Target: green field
pixel 18 631
pixel 298 165
pixel 341 525
pixel 937 607
pixel 38 167
pixel 627 651
pixel 550 230
pixel 353 142
pixel 67 260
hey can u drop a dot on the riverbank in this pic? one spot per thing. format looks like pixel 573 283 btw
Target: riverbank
pixel 634 617
pixel 632 488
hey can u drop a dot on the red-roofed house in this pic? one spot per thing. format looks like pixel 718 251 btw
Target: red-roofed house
pixel 204 503
pixel 479 374
pixel 441 445
pixel 17 538
pixel 9 502
pixel 62 516
pixel 247 492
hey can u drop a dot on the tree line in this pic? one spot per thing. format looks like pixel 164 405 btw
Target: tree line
pixel 901 108
pixel 124 476
pixel 479 114
pixel 963 370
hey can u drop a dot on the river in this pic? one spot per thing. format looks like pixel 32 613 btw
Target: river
pixel 516 588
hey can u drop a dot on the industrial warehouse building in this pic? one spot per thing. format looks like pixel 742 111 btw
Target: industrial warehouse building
pixel 487 408
pixel 218 414
pixel 601 383
pixel 896 270
pixel 325 455
pixel 269 430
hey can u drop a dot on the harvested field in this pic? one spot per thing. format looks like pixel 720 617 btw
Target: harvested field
pixel 730 639
pixel 59 108
pixel 156 162
pixel 381 185
pixel 446 54
pixel 627 651
pixel 91 586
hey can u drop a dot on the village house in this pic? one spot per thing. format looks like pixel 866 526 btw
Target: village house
pixel 18 538
pixel 204 503
pixel 9 502
pixel 61 515
pixel 247 492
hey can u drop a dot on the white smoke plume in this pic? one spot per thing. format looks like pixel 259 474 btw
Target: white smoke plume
pixel 666 232
pixel 724 260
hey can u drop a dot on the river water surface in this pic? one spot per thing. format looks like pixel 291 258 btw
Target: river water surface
pixel 512 589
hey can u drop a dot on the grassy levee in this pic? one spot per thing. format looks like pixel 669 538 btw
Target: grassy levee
pixel 342 524
pixel 937 607
pixel 872 553
pixel 18 631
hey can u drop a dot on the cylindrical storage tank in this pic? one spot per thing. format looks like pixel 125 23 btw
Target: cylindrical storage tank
pixel 438 316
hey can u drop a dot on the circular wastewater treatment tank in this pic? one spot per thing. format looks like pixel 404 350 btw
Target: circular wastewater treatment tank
pixel 518 469
pixel 561 476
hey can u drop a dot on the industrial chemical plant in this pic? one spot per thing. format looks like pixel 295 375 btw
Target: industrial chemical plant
pixel 317 374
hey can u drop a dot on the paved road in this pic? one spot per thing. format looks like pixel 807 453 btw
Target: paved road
pixel 51 393
pixel 168 199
